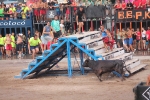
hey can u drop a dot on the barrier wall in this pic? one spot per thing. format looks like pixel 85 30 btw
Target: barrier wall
pixel 16 26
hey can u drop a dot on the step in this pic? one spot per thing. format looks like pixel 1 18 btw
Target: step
pixel 25 70
pixel 116 52
pixel 95 44
pixel 47 51
pixel 53 46
pixel 129 62
pixel 40 57
pixel 123 56
pixel 136 68
pixel 33 63
pixel 89 37
pixel 98 47
pixel 18 76
pixel 91 41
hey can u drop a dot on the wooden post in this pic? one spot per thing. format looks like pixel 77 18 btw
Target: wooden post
pixel 91 25
pixel 141 26
pixel 130 25
pixel 120 25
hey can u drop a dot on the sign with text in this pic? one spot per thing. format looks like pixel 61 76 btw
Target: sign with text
pixel 142 14
pixel 15 23
pixel 50 13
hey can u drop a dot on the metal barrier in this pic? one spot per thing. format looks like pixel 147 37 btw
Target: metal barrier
pixel 16 26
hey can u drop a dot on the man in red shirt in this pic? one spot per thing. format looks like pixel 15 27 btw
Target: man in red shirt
pixel 143 4
pixel 137 4
pixel 148 36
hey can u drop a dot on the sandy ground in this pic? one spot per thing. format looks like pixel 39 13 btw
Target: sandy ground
pixel 55 87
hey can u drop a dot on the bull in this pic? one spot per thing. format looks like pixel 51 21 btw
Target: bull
pixel 103 66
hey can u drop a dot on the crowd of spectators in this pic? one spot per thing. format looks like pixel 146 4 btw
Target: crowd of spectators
pixel 136 4
pixel 14 11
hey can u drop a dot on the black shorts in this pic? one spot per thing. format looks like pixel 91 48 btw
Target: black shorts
pixel 57 34
pixel 19 47
pixel 80 20
pixel 143 38
pixel 1 45
pixel 34 47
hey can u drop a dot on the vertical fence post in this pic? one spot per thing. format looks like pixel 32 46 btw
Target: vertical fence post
pixel 5 31
pixel 71 20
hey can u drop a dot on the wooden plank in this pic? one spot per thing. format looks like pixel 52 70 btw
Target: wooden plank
pixel 91 41
pixel 83 35
pixel 131 61
pixel 136 68
pixel 114 50
pixel 121 56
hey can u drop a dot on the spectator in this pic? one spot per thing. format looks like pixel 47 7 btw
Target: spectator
pixel 23 15
pixel 80 14
pixel 125 40
pixel 42 11
pixel 1 12
pixel 6 10
pixel 129 34
pixel 74 5
pixel 57 9
pixel 111 41
pixel 104 37
pixel 29 35
pixel 13 44
pixel 143 39
pixel 18 11
pixel 143 4
pixel 8 45
pixel 51 4
pixel 123 5
pixel 34 44
pixel 119 38
pixel 67 13
pixel 62 28
pixel 138 38
pixel 97 2
pixel 55 25
pixel 148 3
pixel 79 3
pixel 117 5
pixel 134 38
pixel 61 11
pixel 25 10
pixel 46 36
pixel 129 5
pixel 148 37
pixel 19 46
pixel 67 25
pixel 12 11
pixel 137 4
pixel 36 11
pixel 2 44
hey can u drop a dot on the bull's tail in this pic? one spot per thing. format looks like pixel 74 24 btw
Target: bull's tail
pixel 126 67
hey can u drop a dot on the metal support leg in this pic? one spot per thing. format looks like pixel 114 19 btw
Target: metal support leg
pixel 69 59
pixel 81 62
